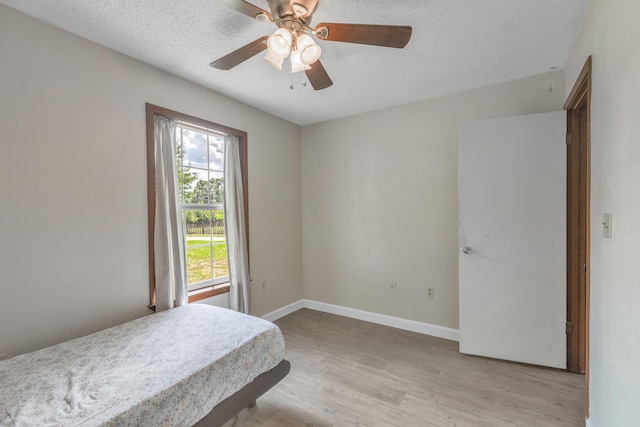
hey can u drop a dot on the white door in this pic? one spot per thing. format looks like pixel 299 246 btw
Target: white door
pixel 512 238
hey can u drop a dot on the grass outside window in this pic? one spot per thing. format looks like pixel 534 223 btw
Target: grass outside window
pixel 199 252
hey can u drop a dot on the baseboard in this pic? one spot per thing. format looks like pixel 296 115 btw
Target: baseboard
pixel 281 312
pixel 367 316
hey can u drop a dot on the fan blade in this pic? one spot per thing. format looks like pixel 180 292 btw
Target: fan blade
pixel 246 8
pixel 238 56
pixel 377 35
pixel 318 76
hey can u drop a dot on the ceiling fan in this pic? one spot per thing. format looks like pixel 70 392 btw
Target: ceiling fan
pixel 292 38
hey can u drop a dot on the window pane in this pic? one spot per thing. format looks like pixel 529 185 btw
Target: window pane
pixel 216 153
pixel 198 193
pixel 219 240
pixel 195 148
pixel 197 226
pixel 198 261
pixel 206 245
pixel 220 262
pixel 216 187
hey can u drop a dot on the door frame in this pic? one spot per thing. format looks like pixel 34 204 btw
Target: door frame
pixel 578 224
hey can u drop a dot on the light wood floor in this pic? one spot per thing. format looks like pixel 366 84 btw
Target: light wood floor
pixel 345 372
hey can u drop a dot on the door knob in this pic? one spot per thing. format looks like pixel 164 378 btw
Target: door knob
pixel 467 250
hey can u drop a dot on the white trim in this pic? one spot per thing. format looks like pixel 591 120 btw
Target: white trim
pixel 367 316
pixel 281 312
pixel 587 422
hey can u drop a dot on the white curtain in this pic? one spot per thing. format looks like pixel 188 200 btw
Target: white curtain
pixel 170 274
pixel 235 227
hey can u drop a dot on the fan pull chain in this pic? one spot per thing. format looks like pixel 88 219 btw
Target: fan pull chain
pixel 292 86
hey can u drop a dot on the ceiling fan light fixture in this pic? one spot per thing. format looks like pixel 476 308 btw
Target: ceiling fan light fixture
pixel 279 43
pixel 304 8
pixel 300 10
pixel 263 17
pixel 296 64
pixel 309 50
pixel 274 60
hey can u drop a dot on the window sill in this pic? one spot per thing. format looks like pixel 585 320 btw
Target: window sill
pixel 208 292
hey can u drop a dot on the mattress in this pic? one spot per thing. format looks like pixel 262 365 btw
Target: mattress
pixel 165 369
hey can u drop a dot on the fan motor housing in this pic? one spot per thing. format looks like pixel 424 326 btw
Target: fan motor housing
pixel 299 10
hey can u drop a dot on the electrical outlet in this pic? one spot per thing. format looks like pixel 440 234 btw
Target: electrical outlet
pixel 263 286
pixel 431 292
pixel 393 286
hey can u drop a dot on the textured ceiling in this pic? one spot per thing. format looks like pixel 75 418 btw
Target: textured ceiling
pixel 456 45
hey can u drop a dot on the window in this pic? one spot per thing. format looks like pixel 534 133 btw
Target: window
pixel 200 171
pixel 199 148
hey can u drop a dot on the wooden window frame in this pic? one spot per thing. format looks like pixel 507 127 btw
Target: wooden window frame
pixel 154 110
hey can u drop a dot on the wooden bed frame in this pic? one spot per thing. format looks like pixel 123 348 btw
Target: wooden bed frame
pixel 245 397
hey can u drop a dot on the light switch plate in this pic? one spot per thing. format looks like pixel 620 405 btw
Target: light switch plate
pixel 606 225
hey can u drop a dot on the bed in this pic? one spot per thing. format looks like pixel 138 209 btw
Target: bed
pixel 193 365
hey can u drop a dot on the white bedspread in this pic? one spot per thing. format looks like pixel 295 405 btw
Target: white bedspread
pixel 166 369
